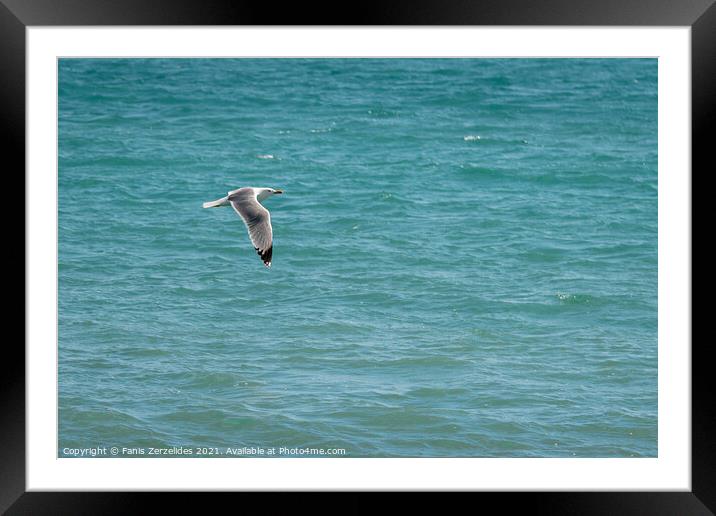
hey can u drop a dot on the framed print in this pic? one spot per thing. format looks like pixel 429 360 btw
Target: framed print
pixel 455 253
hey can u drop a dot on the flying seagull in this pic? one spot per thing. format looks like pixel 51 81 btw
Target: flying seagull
pixel 246 202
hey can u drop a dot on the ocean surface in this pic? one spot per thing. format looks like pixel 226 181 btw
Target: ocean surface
pixel 464 265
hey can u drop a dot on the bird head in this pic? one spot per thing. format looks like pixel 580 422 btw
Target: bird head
pixel 264 193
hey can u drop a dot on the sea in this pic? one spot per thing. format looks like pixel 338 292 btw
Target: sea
pixel 464 260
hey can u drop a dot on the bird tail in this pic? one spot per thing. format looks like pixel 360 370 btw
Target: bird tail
pixel 215 204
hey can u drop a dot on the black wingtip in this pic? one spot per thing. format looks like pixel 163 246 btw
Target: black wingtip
pixel 265 255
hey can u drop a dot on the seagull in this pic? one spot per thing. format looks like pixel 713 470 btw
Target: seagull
pixel 246 202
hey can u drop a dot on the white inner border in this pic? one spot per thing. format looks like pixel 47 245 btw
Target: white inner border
pixel 670 471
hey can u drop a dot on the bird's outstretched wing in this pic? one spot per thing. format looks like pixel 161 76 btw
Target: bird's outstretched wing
pixel 257 220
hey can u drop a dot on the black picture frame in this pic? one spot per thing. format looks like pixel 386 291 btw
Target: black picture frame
pixel 16 15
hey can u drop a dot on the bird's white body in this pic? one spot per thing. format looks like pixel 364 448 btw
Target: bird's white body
pixel 259 193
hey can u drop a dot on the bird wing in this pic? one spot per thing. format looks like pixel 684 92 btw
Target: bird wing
pixel 257 220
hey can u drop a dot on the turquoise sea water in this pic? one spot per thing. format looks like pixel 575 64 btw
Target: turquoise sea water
pixel 465 256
